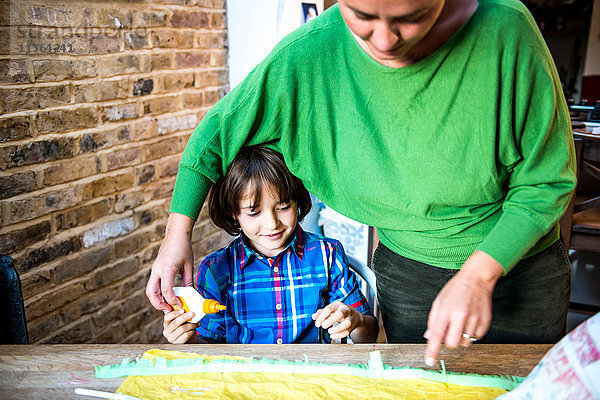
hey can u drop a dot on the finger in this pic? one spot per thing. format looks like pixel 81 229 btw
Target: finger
pixel 154 294
pixel 187 275
pixel 166 285
pixel 323 314
pixel 333 318
pixel 170 316
pixel 471 326
pixel 454 333
pixel 344 325
pixel 436 330
pixel 316 314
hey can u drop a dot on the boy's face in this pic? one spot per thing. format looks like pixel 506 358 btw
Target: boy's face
pixel 270 224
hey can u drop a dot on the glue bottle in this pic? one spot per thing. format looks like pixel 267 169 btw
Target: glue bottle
pixel 193 301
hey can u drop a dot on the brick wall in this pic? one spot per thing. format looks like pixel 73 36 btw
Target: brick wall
pixel 97 100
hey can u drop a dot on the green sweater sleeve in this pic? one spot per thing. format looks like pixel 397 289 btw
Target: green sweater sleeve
pixel 542 178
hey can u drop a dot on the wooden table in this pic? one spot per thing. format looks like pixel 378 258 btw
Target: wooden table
pixel 54 371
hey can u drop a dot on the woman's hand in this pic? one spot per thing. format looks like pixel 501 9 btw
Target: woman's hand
pixel 175 256
pixel 176 328
pixel 362 328
pixel 464 305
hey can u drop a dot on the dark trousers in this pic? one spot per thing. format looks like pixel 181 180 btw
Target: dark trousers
pixel 529 304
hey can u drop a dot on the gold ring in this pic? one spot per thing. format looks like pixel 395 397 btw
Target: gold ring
pixel 471 338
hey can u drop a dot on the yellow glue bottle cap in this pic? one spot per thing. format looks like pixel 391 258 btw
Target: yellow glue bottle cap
pixel 193 301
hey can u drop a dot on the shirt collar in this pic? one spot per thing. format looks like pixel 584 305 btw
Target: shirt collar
pixel 247 254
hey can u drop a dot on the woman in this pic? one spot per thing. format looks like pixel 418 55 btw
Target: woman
pixel 440 122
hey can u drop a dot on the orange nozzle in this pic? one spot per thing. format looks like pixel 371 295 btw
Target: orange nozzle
pixel 211 306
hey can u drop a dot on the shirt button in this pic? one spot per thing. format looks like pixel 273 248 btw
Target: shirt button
pixel 278 307
pixel 279 341
pixel 276 269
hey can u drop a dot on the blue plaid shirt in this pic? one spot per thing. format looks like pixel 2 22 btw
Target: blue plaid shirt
pixel 272 300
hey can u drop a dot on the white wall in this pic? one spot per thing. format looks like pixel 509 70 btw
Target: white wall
pixel 592 57
pixel 255 26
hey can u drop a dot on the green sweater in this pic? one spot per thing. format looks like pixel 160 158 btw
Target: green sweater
pixel 469 148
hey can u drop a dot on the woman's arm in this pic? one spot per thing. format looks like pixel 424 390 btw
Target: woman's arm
pixel 175 256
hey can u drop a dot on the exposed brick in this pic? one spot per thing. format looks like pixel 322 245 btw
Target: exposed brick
pixel 148 215
pixel 40 327
pixel 61 120
pixel 178 123
pixel 159 189
pixel 119 111
pixel 35 282
pixel 210 40
pixel 211 78
pixel 211 96
pixel 191 58
pixel 123 64
pixel 59 16
pixel 110 89
pixel 128 200
pixel 15 184
pixel 161 61
pixel 79 332
pixel 218 20
pixel 115 18
pixel 149 19
pixel 160 105
pixel 18 239
pixel 112 273
pixel 58 70
pixel 168 166
pixel 14 71
pixel 144 129
pixel 123 158
pixel 38 205
pixel 105 138
pixel 108 230
pixel 14 128
pixel 144 173
pixel 83 215
pixel 104 185
pixel 130 244
pixel 168 146
pixel 218 58
pixel 18 99
pixel 143 87
pixel 150 253
pixel 89 303
pixel 191 100
pixel 136 39
pixel 176 81
pixel 52 300
pixel 187 19
pixel 39 151
pixel 83 263
pixel 172 38
pixel 84 92
pixel 117 311
pixel 71 170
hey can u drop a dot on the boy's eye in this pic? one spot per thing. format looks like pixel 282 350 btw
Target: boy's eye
pixel 284 207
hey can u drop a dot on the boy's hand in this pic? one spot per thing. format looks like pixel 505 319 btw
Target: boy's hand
pixel 346 317
pixel 176 328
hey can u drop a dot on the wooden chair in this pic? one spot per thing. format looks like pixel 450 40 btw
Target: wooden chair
pixel 12 310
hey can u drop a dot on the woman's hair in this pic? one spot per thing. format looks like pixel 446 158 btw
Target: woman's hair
pixel 254 167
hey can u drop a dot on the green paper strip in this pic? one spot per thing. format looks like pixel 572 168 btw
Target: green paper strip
pixel 375 369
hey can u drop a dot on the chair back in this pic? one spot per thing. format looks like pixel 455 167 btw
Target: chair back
pixel 368 276
pixel 12 310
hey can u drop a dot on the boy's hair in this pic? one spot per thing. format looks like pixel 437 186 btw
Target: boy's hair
pixel 256 167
